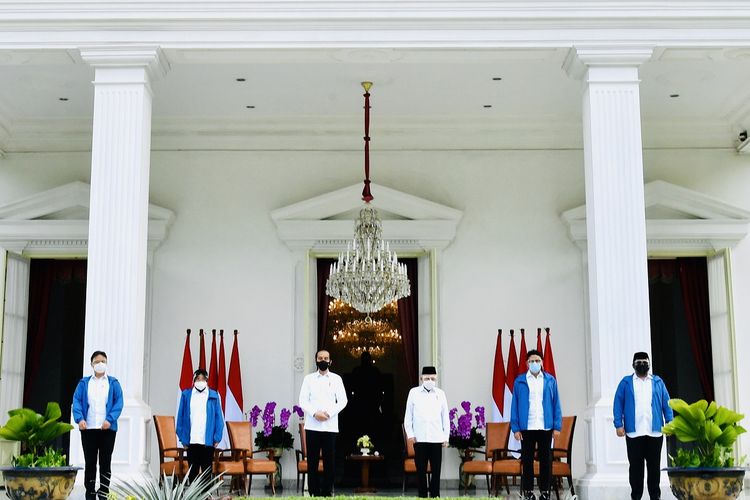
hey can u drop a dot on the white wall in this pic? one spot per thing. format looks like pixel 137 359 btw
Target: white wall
pixel 510 266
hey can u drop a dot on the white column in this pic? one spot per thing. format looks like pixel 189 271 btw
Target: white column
pixel 118 228
pixel 618 306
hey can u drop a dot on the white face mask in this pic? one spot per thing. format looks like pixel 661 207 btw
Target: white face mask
pixel 201 385
pixel 429 384
pixel 100 367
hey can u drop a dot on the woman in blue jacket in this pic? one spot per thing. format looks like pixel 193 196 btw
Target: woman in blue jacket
pixel 535 418
pixel 97 404
pixel 200 423
pixel 641 408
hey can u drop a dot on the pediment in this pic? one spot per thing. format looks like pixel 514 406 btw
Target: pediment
pixel 55 222
pixel 67 202
pixel 679 218
pixel 326 221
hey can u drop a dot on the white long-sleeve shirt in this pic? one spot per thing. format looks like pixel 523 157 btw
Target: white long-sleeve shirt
pixel 198 416
pixel 322 393
pixel 426 417
pixel 643 392
pixel 97 394
pixel 536 399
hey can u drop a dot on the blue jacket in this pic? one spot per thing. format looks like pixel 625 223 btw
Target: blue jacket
pixel 624 404
pixel 519 410
pixel 214 418
pixel 114 401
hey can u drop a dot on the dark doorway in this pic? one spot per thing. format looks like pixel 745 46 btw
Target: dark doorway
pixel 54 346
pixel 377 388
pixel 681 329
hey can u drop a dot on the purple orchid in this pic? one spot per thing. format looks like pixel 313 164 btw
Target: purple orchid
pixel 299 411
pixel 254 414
pixel 466 406
pixel 451 418
pixel 284 419
pixel 480 417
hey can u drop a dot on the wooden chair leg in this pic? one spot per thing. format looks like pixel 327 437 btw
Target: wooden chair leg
pixel 403 485
pixel 570 484
pixel 247 490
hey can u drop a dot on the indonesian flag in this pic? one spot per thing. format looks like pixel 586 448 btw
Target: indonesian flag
pixel 499 387
pixel 510 378
pixel 213 372
pixel 549 360
pixel 522 366
pixel 222 388
pixel 186 373
pixel 234 408
pixel 539 342
pixel 202 355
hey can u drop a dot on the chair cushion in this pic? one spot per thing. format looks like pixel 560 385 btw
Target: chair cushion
pixel 229 468
pixel 260 466
pixel 508 466
pixel 170 468
pixel 302 466
pixel 478 467
pixel 558 468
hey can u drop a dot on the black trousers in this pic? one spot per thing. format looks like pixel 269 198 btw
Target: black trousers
pixel 539 441
pixel 97 444
pixel 318 442
pixel 200 458
pixel 433 453
pixel 649 449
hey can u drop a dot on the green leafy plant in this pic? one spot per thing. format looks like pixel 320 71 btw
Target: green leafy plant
pixel 711 428
pixel 365 442
pixel 34 430
pixel 148 488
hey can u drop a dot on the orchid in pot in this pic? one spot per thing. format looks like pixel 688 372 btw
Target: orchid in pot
pixel 274 436
pixel 466 437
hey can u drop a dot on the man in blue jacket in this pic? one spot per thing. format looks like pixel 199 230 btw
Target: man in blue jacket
pixel 535 418
pixel 642 402
pixel 97 404
pixel 200 424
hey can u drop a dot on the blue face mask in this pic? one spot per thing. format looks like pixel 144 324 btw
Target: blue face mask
pixel 535 367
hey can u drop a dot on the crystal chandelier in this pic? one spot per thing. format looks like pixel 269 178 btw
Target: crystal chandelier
pixel 369 334
pixel 368 275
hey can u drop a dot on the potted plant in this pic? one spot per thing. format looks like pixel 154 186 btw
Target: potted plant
pixel 365 444
pixel 275 437
pixel 39 471
pixel 707 470
pixel 465 437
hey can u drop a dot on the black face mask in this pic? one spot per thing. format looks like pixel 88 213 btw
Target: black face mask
pixel 323 365
pixel 641 369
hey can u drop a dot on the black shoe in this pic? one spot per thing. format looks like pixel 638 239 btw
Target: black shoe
pixel 544 496
pixel 529 495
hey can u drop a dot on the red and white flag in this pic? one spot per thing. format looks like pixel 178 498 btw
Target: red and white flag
pixel 222 388
pixel 499 387
pixel 234 409
pixel 522 366
pixel 549 360
pixel 539 341
pixel 213 371
pixel 186 373
pixel 202 355
pixel 510 378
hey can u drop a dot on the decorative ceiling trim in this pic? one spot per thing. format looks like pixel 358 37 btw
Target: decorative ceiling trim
pixel 307 224
pixel 708 223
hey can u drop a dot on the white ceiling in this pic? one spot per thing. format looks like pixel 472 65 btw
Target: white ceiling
pixel 420 98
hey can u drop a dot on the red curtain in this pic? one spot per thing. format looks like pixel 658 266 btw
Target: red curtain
pixel 694 284
pixel 408 316
pixel 324 269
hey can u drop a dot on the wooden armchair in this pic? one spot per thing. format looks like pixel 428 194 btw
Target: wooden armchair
pixel 563 450
pixel 302 465
pixel 172 459
pixel 497 439
pixel 237 461
pixel 410 466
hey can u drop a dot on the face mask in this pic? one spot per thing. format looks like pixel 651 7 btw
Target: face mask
pixel 100 367
pixel 429 384
pixel 323 365
pixel 535 367
pixel 641 368
pixel 200 385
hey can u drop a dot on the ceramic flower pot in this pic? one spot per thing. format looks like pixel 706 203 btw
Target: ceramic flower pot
pixel 365 451
pixel 703 483
pixel 36 483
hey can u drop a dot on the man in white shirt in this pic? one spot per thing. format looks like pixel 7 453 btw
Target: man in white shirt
pixel 322 397
pixel 536 418
pixel 641 408
pixel 427 425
